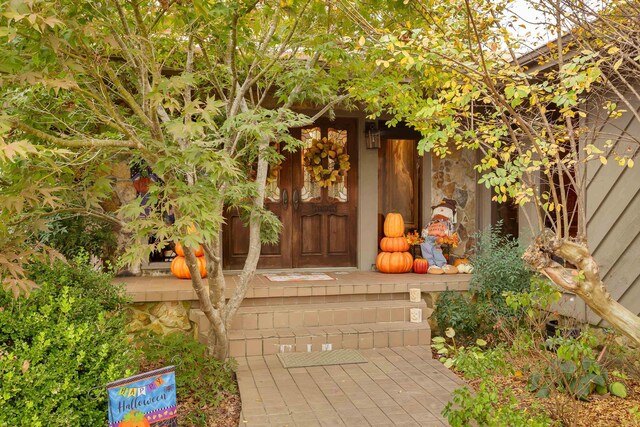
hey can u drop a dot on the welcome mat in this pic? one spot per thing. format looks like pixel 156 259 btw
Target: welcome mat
pixel 321 358
pixel 298 277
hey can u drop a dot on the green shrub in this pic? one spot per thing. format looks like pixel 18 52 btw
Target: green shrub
pixel 484 408
pixel 455 310
pixel 473 361
pixel 202 378
pixel 58 344
pixel 75 234
pixel 498 268
pixel 575 370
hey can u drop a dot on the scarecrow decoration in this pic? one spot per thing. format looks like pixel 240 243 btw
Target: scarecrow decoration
pixel 439 232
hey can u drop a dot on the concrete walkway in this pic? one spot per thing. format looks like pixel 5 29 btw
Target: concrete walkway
pixel 399 386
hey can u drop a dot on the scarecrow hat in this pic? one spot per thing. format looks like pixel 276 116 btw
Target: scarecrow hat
pixel 445 210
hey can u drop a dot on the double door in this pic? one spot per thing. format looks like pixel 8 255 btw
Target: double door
pixel 319 224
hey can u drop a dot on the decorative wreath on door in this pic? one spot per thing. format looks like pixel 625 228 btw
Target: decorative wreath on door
pixel 326 162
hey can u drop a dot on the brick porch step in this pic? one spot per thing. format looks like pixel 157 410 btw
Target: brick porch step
pixel 358 336
pixel 325 314
pixel 376 334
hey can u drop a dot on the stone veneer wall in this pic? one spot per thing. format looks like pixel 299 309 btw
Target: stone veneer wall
pixel 454 177
pixel 161 317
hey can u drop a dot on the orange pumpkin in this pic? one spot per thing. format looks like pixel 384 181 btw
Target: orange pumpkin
pixel 180 251
pixel 420 266
pixel 181 271
pixel 394 262
pixel 134 418
pixel 461 261
pixel 394 244
pixel 393 225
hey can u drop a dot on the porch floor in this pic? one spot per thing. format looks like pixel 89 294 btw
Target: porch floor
pixel 399 386
pixel 168 288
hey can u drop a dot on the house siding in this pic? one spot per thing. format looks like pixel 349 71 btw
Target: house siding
pixel 613 217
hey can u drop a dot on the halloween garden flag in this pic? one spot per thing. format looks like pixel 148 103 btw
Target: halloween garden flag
pixel 144 400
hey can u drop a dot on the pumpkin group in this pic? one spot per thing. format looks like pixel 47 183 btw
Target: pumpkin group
pixel 420 266
pixel 460 261
pixel 180 270
pixel 463 265
pixel 393 225
pixel 394 257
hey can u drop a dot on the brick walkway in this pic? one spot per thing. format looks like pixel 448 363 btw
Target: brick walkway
pixel 399 386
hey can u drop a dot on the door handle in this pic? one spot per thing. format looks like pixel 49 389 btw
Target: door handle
pixel 285 198
pixel 296 199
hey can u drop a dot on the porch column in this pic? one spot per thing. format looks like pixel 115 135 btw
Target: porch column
pixel 367 201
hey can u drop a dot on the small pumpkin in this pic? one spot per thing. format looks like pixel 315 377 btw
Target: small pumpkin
pixel 180 250
pixel 465 268
pixel 393 225
pixel 461 261
pixel 394 262
pixel 180 270
pixel 134 418
pixel 394 244
pixel 420 266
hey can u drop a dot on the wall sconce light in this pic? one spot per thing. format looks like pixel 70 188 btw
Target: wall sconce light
pixel 372 135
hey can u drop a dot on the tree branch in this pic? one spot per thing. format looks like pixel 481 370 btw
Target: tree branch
pixel 74 143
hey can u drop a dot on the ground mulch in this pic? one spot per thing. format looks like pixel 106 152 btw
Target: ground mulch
pixel 226 414
pixel 599 411
pixel 193 414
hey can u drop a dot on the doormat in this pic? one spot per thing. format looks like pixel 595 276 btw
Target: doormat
pixel 298 277
pixel 321 358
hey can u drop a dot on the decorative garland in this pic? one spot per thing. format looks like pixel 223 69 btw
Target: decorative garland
pixel 320 169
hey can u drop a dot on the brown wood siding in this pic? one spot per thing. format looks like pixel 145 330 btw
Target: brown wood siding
pixel 613 219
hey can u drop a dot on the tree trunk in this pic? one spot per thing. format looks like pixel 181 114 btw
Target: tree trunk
pixel 586 282
pixel 218 343
pixel 255 244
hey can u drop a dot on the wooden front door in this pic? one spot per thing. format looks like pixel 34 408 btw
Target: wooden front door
pixel 325 219
pixel 319 225
pixel 236 235
pixel 399 179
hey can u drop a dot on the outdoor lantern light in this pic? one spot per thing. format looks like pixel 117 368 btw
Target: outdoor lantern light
pixel 372 135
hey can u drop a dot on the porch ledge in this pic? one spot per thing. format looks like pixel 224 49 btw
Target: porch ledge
pixel 168 288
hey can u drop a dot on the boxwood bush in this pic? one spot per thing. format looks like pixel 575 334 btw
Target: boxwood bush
pixel 58 344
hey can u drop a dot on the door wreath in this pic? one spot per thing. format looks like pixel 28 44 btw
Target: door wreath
pixel 326 161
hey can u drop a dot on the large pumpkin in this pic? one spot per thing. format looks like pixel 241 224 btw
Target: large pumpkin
pixel 180 251
pixel 134 418
pixel 420 266
pixel 394 262
pixel 393 225
pixel 394 244
pixel 181 271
